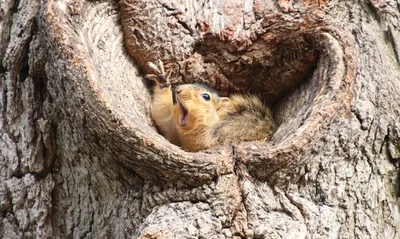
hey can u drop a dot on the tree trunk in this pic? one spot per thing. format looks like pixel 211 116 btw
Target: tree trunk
pixel 80 156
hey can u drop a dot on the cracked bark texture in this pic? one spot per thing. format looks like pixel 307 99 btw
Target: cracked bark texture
pixel 80 157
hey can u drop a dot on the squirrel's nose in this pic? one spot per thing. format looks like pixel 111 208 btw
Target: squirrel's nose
pixel 178 91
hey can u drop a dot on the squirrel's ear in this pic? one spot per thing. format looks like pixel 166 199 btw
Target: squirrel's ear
pixel 223 105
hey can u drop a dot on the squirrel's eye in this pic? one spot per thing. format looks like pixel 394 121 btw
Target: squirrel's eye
pixel 206 96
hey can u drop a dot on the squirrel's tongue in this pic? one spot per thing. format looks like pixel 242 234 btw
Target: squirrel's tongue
pixel 184 116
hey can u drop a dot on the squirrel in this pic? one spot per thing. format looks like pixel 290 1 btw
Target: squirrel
pixel 195 117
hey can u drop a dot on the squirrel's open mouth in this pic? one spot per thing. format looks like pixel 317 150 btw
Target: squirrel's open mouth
pixel 184 114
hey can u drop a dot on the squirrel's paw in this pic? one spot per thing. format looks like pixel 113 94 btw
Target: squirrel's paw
pixel 159 74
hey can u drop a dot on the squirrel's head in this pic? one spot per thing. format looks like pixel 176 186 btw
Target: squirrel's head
pixel 197 106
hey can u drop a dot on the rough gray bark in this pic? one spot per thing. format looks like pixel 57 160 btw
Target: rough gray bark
pixel 80 157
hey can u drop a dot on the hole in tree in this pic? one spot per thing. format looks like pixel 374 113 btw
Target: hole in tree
pixel 300 66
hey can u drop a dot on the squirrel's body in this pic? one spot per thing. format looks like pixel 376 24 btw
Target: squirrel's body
pixel 196 118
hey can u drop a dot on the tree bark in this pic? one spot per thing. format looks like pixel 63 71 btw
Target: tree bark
pixel 80 156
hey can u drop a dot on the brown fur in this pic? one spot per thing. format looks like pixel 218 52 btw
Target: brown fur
pixel 219 121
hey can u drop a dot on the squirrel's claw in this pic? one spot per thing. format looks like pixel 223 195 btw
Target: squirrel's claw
pixel 150 76
pixel 159 75
pixel 153 67
pixel 169 74
pixel 161 67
